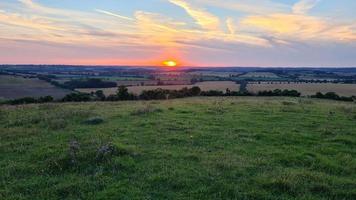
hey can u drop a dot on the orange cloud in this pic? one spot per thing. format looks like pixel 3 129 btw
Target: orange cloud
pixel 298 26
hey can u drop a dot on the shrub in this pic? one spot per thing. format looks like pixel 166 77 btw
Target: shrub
pixel 45 99
pixel 94 121
pixel 100 95
pixel 332 96
pixel 123 94
pixel 25 100
pixel 106 152
pixel 212 93
pixel 77 97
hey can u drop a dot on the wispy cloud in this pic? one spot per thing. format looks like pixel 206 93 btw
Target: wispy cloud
pixel 299 27
pixel 303 6
pixel 114 15
pixel 203 18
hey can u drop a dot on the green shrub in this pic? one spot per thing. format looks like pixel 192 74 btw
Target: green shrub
pixel 94 121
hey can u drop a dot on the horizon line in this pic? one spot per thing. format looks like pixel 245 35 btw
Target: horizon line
pixel 175 68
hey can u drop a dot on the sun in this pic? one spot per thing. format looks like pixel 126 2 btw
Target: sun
pixel 170 63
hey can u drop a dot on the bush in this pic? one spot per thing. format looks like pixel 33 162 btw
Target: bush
pixel 77 97
pixel 100 95
pixel 94 121
pixel 212 93
pixel 124 95
pixel 25 100
pixel 332 96
pixel 278 92
pixel 45 99
pixel 106 152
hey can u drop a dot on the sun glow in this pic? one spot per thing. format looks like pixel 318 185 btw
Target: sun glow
pixel 170 63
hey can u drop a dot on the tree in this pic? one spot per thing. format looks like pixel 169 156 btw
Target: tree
pixel 100 95
pixel 123 94
pixel 195 91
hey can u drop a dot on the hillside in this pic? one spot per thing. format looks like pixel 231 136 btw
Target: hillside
pixel 195 148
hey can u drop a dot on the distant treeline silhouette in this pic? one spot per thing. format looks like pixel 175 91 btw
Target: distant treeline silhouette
pixel 80 83
pixel 123 94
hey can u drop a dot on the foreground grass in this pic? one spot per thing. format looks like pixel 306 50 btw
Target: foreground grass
pixel 198 148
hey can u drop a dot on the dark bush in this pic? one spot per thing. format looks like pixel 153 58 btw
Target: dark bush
pixel 94 121
pixel 100 95
pixel 106 152
pixel 212 93
pixel 124 95
pixel 45 99
pixel 25 100
pixel 278 92
pixel 77 97
pixel 332 96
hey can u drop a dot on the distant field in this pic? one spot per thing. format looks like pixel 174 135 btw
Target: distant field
pixel 195 148
pixel 307 88
pixel 213 73
pixel 17 87
pixel 205 86
pixel 259 75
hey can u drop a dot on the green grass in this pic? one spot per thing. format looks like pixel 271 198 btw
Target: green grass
pixel 196 148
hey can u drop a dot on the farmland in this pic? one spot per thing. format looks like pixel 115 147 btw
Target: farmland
pixel 204 86
pixel 195 148
pixel 17 87
pixel 307 88
pixel 259 75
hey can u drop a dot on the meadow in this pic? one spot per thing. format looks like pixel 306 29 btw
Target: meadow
pixel 307 88
pixel 259 75
pixel 193 148
pixel 204 86
pixel 12 87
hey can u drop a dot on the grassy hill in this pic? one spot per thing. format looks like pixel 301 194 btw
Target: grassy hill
pixel 196 148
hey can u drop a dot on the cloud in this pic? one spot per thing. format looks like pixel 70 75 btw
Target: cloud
pixel 303 6
pixel 114 15
pixel 230 23
pixel 247 6
pixel 299 27
pixel 205 19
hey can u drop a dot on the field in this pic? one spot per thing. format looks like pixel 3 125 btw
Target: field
pixel 195 148
pixel 17 87
pixel 214 73
pixel 307 88
pixel 205 86
pixel 259 75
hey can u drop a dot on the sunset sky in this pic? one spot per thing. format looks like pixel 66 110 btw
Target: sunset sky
pixel 194 32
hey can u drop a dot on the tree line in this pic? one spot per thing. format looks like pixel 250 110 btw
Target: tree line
pixel 123 94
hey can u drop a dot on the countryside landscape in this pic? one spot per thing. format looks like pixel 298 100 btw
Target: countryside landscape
pixel 178 99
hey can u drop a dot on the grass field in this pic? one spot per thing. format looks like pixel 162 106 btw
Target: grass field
pixel 307 88
pixel 12 87
pixel 195 148
pixel 214 73
pixel 205 86
pixel 259 75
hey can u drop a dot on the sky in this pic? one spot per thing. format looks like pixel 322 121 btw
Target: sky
pixel 265 33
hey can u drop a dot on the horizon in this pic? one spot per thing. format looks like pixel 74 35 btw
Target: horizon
pixel 196 33
pixel 184 67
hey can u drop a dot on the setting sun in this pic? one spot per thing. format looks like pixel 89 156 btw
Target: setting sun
pixel 170 63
